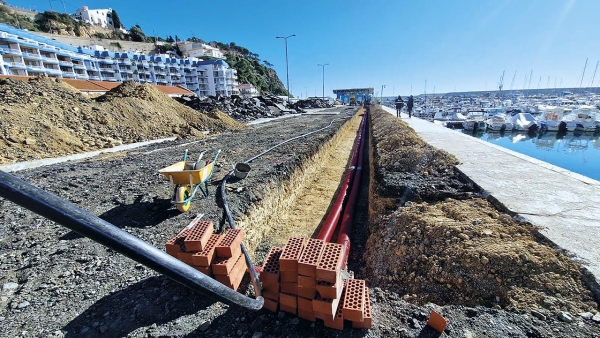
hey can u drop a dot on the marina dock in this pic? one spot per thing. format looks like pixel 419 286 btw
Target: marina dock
pixel 565 205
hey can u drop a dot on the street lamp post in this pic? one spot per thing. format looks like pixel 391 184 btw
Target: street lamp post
pixel 287 72
pixel 381 97
pixel 323 65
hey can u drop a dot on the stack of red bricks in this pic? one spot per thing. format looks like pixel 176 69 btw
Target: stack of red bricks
pixel 217 256
pixel 304 278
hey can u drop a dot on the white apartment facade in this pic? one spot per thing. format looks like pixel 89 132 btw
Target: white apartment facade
pixel 198 50
pixel 26 54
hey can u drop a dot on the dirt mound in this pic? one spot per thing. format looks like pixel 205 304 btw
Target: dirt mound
pixel 457 250
pixel 44 118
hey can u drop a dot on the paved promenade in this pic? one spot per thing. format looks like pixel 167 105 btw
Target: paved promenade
pixel 565 204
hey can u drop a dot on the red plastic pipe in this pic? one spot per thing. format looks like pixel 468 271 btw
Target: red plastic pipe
pixel 348 215
pixel 333 217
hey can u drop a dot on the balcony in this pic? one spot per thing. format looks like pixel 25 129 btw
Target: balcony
pixel 19 65
pixel 93 77
pixel 126 62
pixel 65 63
pixel 125 70
pixel 10 51
pixel 69 75
pixel 109 78
pixel 107 69
pixel 30 55
pixel 106 61
pixel 81 76
pixel 78 66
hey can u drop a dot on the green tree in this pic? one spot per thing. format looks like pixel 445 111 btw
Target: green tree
pixel 137 34
pixel 116 20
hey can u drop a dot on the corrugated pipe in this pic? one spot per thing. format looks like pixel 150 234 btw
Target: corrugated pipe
pixel 331 222
pixel 348 215
pixel 97 229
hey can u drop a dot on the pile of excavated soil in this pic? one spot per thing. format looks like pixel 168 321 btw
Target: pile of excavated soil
pixel 457 250
pixel 43 118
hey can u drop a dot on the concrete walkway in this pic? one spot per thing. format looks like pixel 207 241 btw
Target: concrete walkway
pixel 565 204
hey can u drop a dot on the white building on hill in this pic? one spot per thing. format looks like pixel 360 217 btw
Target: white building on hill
pixel 198 50
pixel 96 17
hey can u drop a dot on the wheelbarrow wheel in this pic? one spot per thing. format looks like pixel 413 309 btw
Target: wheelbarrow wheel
pixel 183 193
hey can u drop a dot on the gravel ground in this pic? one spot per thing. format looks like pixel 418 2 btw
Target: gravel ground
pixel 59 284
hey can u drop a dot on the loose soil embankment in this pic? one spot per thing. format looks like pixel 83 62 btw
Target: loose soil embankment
pixel 43 118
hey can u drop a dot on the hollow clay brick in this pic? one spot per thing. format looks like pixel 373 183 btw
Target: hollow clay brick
pixel 287 309
pixel 354 300
pixel 337 322
pixel 305 304
pixel 204 269
pixel 273 294
pixel 291 288
pixel 307 282
pixel 288 276
pixel 270 273
pixel 330 264
pixel 307 314
pixel 173 246
pixel 235 276
pixel 437 322
pixel 307 292
pixel 329 290
pixel 230 244
pixel 291 253
pixel 270 286
pixel 186 257
pixel 288 300
pixel 198 236
pixel 223 266
pixel 325 306
pixel 368 318
pixel 271 305
pixel 206 256
pixel 307 264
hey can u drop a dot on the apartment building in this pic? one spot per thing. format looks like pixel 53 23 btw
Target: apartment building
pixel 97 17
pixel 26 54
pixel 196 49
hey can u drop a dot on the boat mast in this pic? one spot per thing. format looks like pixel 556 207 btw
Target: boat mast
pixel 582 75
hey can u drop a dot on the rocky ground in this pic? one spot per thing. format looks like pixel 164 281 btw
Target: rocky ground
pixel 423 239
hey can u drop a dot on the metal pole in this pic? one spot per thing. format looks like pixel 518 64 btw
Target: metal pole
pixel 287 72
pixel 323 65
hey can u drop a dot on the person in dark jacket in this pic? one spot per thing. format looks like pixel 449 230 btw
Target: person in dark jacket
pixel 409 106
pixel 399 105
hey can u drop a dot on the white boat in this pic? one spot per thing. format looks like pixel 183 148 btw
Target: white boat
pixel 583 119
pixel 551 119
pixel 500 122
pixel 475 120
pixel 524 121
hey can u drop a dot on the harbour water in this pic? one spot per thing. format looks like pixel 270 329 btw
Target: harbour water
pixel 577 152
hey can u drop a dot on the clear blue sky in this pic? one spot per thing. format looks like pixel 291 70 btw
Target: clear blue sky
pixel 458 45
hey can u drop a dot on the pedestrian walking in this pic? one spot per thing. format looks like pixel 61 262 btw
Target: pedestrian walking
pixel 409 106
pixel 399 105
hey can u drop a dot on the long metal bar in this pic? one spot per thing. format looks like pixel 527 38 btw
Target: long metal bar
pixel 86 224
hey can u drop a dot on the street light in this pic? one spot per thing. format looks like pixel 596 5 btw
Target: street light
pixel 320 65
pixel 287 72
pixel 381 97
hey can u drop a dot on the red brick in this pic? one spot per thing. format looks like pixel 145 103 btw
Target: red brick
pixel 330 264
pixel 223 266
pixel 305 304
pixel 337 322
pixel 291 288
pixel 307 282
pixel 288 276
pixel 198 235
pixel 204 269
pixel 230 245
pixel 307 264
pixel 288 300
pixel 271 305
pixel 330 290
pixel 354 300
pixel 291 253
pixel 273 294
pixel 325 306
pixel 368 318
pixel 270 273
pixel 206 256
pixel 306 314
pixel 173 246
pixel 270 286
pixel 307 292
pixel 186 257
pixel 235 276
pixel 437 322
pixel 287 309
